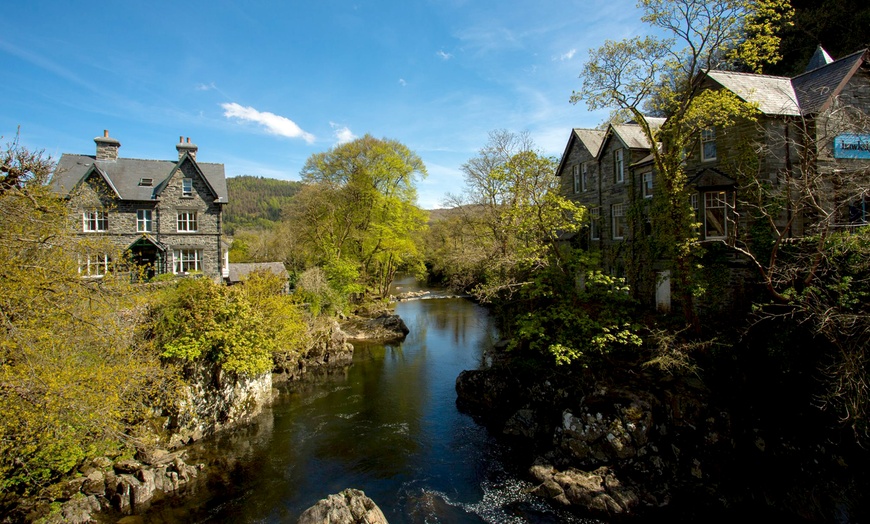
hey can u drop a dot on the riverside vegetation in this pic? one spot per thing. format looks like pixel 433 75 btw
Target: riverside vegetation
pixel 626 411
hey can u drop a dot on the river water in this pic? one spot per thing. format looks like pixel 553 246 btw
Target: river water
pixel 387 425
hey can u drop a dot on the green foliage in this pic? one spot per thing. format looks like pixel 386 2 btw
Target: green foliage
pixel 238 328
pixel 506 224
pixel 357 213
pixel 581 322
pixel 256 202
pixel 74 376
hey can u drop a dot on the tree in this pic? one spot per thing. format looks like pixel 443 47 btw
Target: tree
pixel 511 215
pixel 658 74
pixel 357 213
pixel 75 378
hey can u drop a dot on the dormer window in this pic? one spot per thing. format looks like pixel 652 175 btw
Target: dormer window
pixel 148 182
pixel 708 145
pixel 187 187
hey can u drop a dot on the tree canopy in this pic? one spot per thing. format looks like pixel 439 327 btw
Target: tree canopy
pixel 357 214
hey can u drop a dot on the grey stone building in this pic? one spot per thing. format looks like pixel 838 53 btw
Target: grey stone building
pixel 808 147
pixel 599 170
pixel 154 216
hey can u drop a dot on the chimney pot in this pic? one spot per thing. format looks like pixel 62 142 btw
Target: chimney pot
pixel 107 147
pixel 187 147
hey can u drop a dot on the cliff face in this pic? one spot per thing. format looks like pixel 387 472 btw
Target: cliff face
pixel 215 399
pixel 639 444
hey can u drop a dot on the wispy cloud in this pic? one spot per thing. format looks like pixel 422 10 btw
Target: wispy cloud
pixel 206 87
pixel 402 82
pixel 444 55
pixel 568 56
pixel 342 133
pixel 274 124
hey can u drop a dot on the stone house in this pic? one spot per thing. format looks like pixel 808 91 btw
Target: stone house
pixel 812 132
pixel 599 170
pixel 152 216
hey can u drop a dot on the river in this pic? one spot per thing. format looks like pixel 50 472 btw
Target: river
pixel 387 425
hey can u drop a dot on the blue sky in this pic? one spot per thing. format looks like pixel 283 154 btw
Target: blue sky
pixel 260 86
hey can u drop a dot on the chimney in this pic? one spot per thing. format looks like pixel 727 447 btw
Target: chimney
pixel 187 147
pixel 107 148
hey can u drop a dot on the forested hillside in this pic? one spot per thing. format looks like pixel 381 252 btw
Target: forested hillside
pixel 256 202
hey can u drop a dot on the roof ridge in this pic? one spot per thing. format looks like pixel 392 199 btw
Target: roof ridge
pixel 744 73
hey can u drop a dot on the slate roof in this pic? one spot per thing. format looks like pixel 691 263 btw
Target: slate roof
pixel 632 135
pixel 774 94
pixel 239 271
pixel 816 88
pixel 804 94
pixel 124 175
pixel 591 138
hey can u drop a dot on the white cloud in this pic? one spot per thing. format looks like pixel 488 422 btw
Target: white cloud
pixel 274 124
pixel 444 55
pixel 342 133
pixel 402 82
pixel 206 87
pixel 568 56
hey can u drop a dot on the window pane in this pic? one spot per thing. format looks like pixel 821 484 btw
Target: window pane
pixel 618 213
pixel 594 223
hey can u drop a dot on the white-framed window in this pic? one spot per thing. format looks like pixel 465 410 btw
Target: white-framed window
pixel 144 223
pixel 716 213
pixel 576 172
pixel 94 265
pixel 618 166
pixel 186 260
pixel 186 222
pixel 95 220
pixel 617 213
pixel 708 144
pixel 595 223
pixel 647 180
pixel 187 187
pixel 584 178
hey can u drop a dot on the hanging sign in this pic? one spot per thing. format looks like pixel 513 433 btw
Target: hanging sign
pixel 852 146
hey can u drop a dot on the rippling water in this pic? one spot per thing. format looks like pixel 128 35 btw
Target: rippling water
pixel 387 425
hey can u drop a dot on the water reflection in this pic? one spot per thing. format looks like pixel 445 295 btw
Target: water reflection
pixel 387 425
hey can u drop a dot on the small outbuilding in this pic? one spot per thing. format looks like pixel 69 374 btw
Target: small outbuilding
pixel 239 272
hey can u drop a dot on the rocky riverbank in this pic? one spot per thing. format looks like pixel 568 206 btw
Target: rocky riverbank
pixel 636 443
pixel 212 401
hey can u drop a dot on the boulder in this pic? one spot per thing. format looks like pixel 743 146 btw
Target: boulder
pixel 351 506
pixel 598 493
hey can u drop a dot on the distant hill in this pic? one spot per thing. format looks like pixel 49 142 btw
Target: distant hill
pixel 256 201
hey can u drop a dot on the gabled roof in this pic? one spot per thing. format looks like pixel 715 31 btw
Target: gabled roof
pixel 808 93
pixel 589 138
pixel 774 94
pixel 124 175
pixel 711 177
pixel 631 135
pixel 815 89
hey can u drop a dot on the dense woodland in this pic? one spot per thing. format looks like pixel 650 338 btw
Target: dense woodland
pixel 86 365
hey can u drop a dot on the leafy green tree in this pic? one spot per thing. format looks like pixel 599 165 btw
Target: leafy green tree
pixel 658 74
pixel 509 217
pixel 75 378
pixel 358 211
